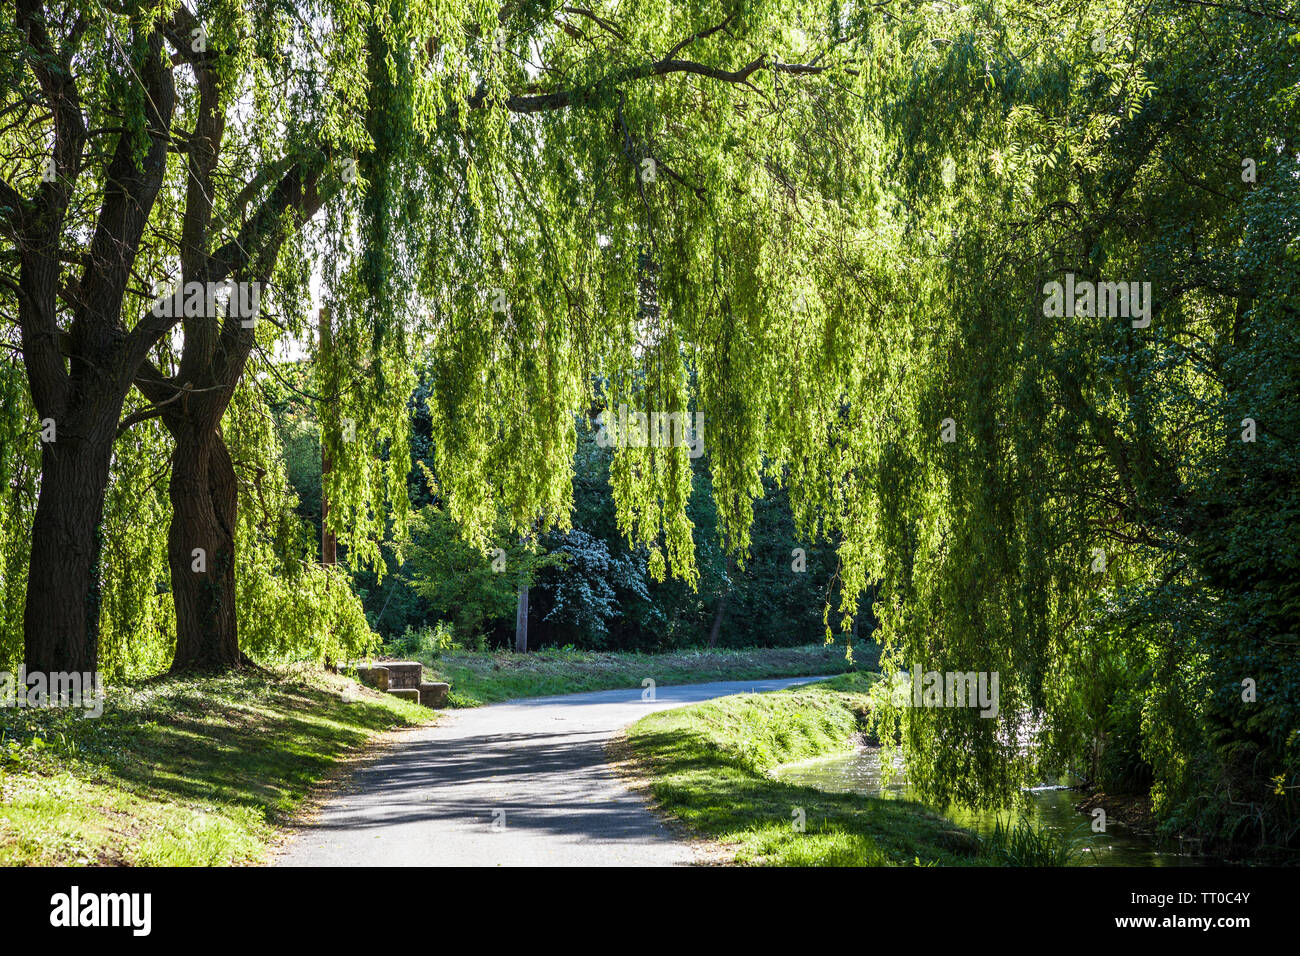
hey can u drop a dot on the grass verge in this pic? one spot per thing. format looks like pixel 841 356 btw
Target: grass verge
pixel 178 771
pixel 707 766
pixel 491 676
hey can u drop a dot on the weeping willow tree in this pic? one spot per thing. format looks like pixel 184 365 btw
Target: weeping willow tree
pixel 118 174
pixel 153 146
pixel 1112 526
pixel 664 230
pixel 851 278
pixel 431 163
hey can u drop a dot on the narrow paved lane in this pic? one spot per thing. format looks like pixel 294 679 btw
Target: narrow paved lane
pixel 523 783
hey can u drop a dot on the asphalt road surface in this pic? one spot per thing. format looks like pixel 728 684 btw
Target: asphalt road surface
pixel 522 783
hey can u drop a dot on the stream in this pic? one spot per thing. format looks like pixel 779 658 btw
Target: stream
pixel 1048 807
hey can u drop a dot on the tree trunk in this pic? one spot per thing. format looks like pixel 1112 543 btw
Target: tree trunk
pixel 521 620
pixel 717 618
pixel 329 547
pixel 61 616
pixel 83 395
pixel 201 553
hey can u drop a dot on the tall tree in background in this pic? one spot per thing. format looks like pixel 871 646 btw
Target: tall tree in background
pixel 521 620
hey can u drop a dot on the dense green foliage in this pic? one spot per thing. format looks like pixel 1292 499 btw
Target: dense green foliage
pixel 589 588
pixel 1023 844
pixel 1156 146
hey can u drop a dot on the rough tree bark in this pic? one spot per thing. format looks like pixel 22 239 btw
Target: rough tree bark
pixel 84 397
pixel 61 617
pixel 201 553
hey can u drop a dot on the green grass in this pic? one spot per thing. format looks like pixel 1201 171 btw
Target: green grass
pixel 178 772
pixel 1023 844
pixel 487 677
pixel 707 766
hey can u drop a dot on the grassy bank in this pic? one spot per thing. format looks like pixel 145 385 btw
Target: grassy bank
pixel 491 676
pixel 707 766
pixel 178 771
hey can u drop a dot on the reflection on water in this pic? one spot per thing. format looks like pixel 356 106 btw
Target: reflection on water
pixel 1049 808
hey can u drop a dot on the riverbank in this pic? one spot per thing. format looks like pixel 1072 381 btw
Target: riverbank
pixel 1133 810
pixel 707 768
pixel 180 771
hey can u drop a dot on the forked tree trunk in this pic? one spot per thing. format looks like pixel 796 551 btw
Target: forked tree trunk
pixel 201 553
pixel 83 395
pixel 61 616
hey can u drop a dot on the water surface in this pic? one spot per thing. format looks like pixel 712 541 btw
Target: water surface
pixel 1048 807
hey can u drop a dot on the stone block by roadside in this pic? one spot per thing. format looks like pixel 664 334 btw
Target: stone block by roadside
pixel 404 674
pixel 376 677
pixel 434 694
